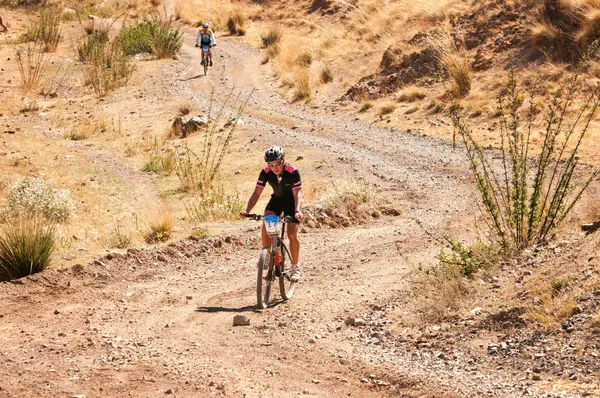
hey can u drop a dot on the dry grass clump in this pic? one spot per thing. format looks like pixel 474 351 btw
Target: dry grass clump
pixel 160 228
pixel 236 24
pixel 304 59
pixel 88 128
pixel 46 30
pixel 214 205
pixel 120 238
pixel 459 69
pixel 439 291
pixel 365 106
pixel 411 94
pixel 553 302
pixel 26 247
pixel 326 74
pixel 302 86
pixel 185 107
pixel 347 194
pixel 272 37
pixel 387 109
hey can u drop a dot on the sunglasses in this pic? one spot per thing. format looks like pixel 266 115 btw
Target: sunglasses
pixel 275 164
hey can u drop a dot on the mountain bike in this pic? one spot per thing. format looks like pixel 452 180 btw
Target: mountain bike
pixel 271 262
pixel 205 60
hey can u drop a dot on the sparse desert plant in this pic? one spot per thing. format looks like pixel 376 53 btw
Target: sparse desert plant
pixel 302 86
pixel 365 106
pixel 26 247
pixel 108 68
pixel 86 129
pixel 161 161
pixel 93 44
pixel 160 228
pixel 272 37
pixel 236 24
pixel 46 30
pixel 411 94
pixel 197 172
pixel 32 63
pixel 346 194
pixel 37 197
pixel 326 74
pixel 120 238
pixel 467 258
pixel 201 232
pixel 526 200
pixel 167 40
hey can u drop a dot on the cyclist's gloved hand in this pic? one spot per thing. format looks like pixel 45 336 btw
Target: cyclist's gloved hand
pixel 243 213
pixel 196 45
pixel 298 215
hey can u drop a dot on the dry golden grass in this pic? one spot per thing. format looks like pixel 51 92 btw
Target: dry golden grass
pixel 302 90
pixel 386 109
pixel 236 23
pixel 185 107
pixel 459 69
pixel 554 301
pixel 160 227
pixel 411 94
pixel 326 75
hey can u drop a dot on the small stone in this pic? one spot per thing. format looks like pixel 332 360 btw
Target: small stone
pixel 316 381
pixel 305 392
pixel 237 172
pixel 75 396
pixel 312 341
pixel 241 320
pixel 169 391
pixel 365 380
pixel 56 311
pixel 188 297
pixel 536 377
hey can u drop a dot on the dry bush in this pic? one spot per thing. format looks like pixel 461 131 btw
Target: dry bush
pixel 411 94
pixel 387 109
pixel 236 24
pixel 120 237
pixel 88 128
pixel 32 63
pixel 26 247
pixel 108 68
pixel 346 194
pixel 365 106
pixel 39 198
pixel 304 59
pixel 302 86
pixel 214 204
pixel 160 228
pixel 553 302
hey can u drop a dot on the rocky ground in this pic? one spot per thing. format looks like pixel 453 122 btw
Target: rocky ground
pixel 159 321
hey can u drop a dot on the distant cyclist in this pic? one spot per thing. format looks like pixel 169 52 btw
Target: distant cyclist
pixel 206 37
pixel 287 198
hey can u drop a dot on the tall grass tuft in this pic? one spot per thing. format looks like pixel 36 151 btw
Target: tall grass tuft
pixel 302 86
pixel 160 228
pixel 326 74
pixel 272 37
pixel 32 63
pixel 26 247
pixel 108 68
pixel 458 67
pixel 236 24
pixel 526 196
pixel 214 205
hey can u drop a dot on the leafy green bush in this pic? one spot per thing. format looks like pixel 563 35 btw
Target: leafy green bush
pixel 26 247
pixel 37 197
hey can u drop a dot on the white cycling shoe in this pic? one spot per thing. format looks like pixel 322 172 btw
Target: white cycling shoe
pixel 295 273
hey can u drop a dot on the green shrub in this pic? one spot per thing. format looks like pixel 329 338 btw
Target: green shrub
pixel 26 247
pixel 108 68
pixel 36 197
pixel 526 200
pixel 153 36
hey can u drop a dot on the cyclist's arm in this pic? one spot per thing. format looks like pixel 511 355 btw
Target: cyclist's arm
pixel 212 38
pixel 298 201
pixel 198 38
pixel 254 198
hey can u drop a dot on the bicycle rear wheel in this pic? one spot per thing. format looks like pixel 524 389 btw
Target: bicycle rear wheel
pixel 205 64
pixel 263 279
pixel 286 285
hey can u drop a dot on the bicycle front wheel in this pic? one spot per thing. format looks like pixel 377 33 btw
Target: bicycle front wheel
pixel 263 279
pixel 286 285
pixel 205 64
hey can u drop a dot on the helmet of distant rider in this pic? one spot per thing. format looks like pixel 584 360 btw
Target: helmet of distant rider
pixel 274 153
pixel 205 25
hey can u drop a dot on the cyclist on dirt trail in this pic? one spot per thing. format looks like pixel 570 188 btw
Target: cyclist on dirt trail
pixel 287 198
pixel 206 37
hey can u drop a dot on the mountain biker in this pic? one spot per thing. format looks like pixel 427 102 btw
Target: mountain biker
pixel 287 198
pixel 206 37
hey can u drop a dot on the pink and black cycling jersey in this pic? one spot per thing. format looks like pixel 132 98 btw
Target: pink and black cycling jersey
pixel 284 188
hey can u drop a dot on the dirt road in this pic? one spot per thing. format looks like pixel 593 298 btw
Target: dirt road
pixel 159 322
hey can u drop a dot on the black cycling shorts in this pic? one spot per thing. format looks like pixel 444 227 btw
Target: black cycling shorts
pixel 282 205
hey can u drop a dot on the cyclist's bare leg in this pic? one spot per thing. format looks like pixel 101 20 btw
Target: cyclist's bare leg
pixel 292 233
pixel 209 54
pixel 266 240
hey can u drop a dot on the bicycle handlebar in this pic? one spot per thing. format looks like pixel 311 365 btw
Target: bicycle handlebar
pixel 258 217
